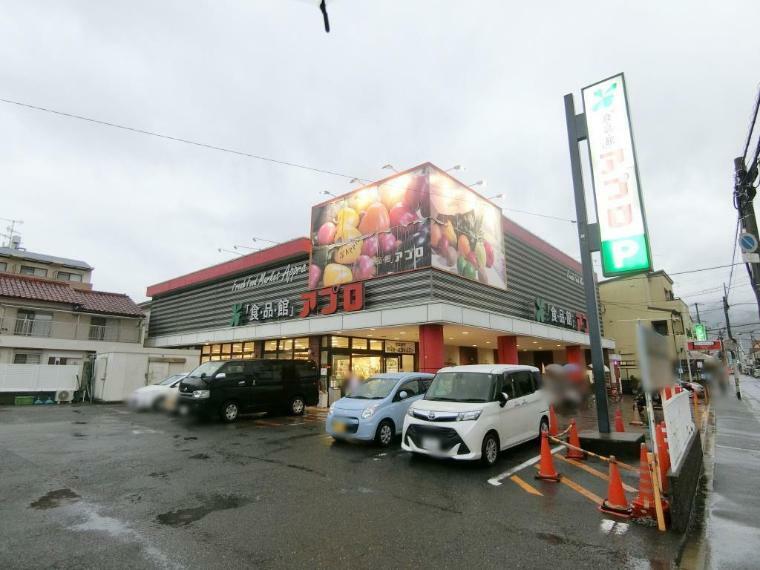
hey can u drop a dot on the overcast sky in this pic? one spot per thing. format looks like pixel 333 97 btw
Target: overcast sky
pixel 477 83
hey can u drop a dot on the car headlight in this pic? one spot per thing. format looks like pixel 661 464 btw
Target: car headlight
pixel 368 412
pixel 201 394
pixel 468 416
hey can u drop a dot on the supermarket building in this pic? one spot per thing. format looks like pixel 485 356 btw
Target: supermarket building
pixel 274 304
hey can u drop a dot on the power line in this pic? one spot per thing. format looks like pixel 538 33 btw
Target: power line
pixel 185 141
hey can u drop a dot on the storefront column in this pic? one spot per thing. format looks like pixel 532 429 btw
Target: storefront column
pixel 574 355
pixel 431 348
pixel 507 350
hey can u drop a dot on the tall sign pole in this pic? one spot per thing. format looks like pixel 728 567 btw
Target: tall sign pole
pixel 588 238
pixel 620 233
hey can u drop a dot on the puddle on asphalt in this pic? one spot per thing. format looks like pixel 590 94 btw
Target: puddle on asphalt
pixel 190 437
pixel 183 517
pixel 55 499
pixel 80 423
pixel 199 455
pixel 77 434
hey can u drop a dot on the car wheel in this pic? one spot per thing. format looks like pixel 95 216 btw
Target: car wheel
pixel 230 412
pixel 489 452
pixel 544 426
pixel 384 434
pixel 297 406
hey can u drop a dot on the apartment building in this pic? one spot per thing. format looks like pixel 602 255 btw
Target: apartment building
pixel 18 261
pixel 648 299
pixel 44 321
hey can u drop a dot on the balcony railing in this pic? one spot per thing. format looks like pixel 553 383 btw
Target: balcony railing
pixel 128 331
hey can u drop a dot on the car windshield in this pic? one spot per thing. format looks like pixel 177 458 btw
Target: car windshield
pixel 461 387
pixel 207 368
pixel 170 380
pixel 374 388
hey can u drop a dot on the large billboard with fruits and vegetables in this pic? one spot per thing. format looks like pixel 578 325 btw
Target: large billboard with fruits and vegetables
pixel 419 218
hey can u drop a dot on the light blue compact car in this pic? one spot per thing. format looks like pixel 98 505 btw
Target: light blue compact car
pixel 375 410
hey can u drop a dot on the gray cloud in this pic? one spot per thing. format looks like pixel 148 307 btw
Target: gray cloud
pixel 478 83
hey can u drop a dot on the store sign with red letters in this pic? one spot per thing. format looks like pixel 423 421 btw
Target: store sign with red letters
pixel 702 345
pixel 327 301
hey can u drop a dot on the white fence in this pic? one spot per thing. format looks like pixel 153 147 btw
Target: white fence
pixel 680 426
pixel 38 377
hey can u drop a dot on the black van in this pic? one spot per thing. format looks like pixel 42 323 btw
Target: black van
pixel 232 387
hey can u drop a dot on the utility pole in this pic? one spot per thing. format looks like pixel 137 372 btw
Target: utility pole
pixel 725 312
pixel 696 306
pixel 744 195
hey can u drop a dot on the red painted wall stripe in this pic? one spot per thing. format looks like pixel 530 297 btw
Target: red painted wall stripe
pixel 299 246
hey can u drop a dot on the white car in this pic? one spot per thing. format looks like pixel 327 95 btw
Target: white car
pixel 473 412
pixel 159 396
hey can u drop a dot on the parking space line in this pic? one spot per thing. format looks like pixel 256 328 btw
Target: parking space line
pixel 578 488
pixel 496 481
pixel 594 472
pixel 526 486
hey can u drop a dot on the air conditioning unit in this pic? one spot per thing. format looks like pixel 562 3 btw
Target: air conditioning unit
pixel 64 396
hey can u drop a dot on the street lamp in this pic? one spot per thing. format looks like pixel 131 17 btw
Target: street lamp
pixel 455 167
pixel 257 239
pixel 388 167
pixel 499 196
pixel 328 193
pixel 222 250
pixel 479 183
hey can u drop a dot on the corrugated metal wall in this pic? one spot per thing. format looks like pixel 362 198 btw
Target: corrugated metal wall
pixel 530 274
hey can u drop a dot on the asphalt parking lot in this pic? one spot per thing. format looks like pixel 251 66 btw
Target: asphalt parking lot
pixel 101 486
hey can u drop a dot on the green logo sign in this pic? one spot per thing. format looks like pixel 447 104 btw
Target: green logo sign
pixel 700 332
pixel 237 315
pixel 604 97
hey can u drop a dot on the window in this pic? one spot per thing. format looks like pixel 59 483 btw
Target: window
pixel 660 327
pixel 57 360
pixel 376 345
pixel 425 384
pixel 359 343
pixel 523 383
pixel 27 358
pixel 36 271
pixel 411 387
pixel 270 346
pixel 340 342
pixel 507 386
pixel 33 323
pixel 3 266
pixel 66 276
pixel 233 368
pixel 98 328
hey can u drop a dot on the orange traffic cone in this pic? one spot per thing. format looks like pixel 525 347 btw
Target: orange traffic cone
pixel 546 469
pixel 553 428
pixel 663 456
pixel 619 425
pixel 615 503
pixel 575 441
pixel 636 421
pixel 643 505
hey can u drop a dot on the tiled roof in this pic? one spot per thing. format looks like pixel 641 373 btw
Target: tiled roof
pixel 36 289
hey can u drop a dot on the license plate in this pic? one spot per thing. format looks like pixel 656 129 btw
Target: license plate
pixel 339 427
pixel 431 444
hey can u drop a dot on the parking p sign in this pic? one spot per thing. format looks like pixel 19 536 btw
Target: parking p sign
pixel 619 208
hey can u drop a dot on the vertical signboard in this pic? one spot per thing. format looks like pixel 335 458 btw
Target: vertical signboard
pixel 699 332
pixel 619 207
